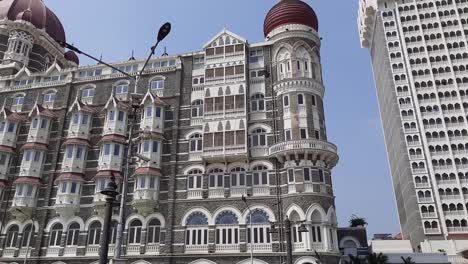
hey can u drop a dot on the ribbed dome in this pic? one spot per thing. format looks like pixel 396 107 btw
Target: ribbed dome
pixel 290 12
pixel 35 12
pixel 71 56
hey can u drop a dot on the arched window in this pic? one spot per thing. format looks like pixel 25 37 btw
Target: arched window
pixel 134 234
pixel 196 143
pixel 258 138
pixel 18 100
pixel 216 179
pixel 195 179
pixel 238 178
pixel 260 227
pixel 154 232
pixel 350 248
pixel 56 235
pixel 300 99
pixel 197 108
pixel 49 97
pixel 121 88
pixel 257 102
pixel 28 232
pixel 316 220
pixel 73 234
pixel 260 176
pixel 197 230
pixel 227 229
pixel 12 237
pixel 87 93
pixel 157 84
pixel 286 101
pixel 94 234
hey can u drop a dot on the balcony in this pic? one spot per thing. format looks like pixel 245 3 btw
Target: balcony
pixel 53 251
pixel 227 248
pixel 432 230
pixel 196 248
pixel 259 152
pixel 225 153
pixel 110 163
pixel 299 246
pixel 152 124
pixel 9 252
pixel 195 194
pixel 38 135
pixel 459 229
pixel 260 247
pixel 115 128
pixel 152 249
pixel 429 215
pixel 261 191
pixel 216 193
pixel 66 204
pixel 8 139
pixel 238 192
pixel 79 131
pixel 307 146
pixel 195 156
pixel 145 200
pixel 73 165
pixel 31 168
pixel 70 251
pixel 133 250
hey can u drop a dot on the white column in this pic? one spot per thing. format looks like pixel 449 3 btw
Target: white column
pixel 325 238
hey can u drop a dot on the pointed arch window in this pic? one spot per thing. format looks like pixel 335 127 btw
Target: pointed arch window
pixel 12 237
pixel 134 236
pixel 154 232
pixel 257 102
pixel 26 240
pixel 56 235
pixel 73 234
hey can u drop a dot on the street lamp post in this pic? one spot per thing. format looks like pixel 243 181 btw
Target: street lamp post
pixel 251 229
pixel 162 34
pixel 111 192
pixel 288 232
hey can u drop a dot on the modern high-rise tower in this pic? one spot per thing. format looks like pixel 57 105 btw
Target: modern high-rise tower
pixel 232 119
pixel 419 56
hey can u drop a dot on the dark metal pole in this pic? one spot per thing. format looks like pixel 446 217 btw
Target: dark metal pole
pixel 289 257
pixel 111 193
pixel 104 248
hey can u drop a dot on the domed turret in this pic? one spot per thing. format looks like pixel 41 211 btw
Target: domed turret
pixel 288 12
pixel 71 56
pixel 34 12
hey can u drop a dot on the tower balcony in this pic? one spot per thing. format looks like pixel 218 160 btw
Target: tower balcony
pixel 225 153
pixel 101 180
pixel 146 190
pixel 8 139
pixel 67 201
pixel 78 131
pixel 327 151
pixel 115 127
pixel 38 135
pixel 24 201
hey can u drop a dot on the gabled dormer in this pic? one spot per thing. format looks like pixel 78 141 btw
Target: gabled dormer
pixel 81 116
pixel 225 45
pixel 116 112
pixel 152 119
pixel 9 123
pixel 41 120
pixel 22 79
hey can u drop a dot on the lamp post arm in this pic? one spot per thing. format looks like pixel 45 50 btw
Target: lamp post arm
pixel 75 49
pixel 153 48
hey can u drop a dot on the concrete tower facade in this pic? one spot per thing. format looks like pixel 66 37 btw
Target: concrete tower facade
pixel 233 119
pixel 419 57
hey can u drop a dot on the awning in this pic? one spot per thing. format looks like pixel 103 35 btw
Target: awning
pixel 6 149
pixel 148 171
pixel 36 146
pixel 70 177
pixel 28 180
pixel 108 174
pixel 76 141
pixel 114 138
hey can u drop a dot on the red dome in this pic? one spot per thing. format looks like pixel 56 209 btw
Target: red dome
pixel 290 12
pixel 35 12
pixel 71 56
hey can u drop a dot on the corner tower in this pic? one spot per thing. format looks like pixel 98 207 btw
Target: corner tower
pixel 305 157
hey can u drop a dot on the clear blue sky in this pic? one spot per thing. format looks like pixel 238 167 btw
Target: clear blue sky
pixel 361 180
